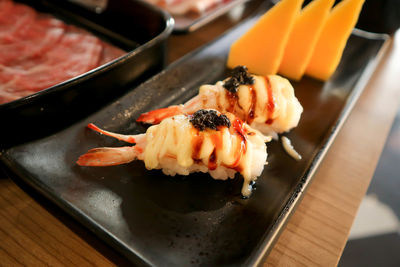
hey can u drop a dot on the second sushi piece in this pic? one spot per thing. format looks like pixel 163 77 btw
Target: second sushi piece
pixel 266 103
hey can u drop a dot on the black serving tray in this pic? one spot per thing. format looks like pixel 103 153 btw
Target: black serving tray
pixel 136 27
pixel 159 220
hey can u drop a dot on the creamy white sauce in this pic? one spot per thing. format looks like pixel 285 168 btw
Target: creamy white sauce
pixel 285 114
pixel 287 145
pixel 246 188
pixel 170 146
pixel 173 137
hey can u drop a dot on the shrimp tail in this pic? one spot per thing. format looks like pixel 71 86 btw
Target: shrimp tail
pixel 109 156
pixel 127 138
pixel 156 116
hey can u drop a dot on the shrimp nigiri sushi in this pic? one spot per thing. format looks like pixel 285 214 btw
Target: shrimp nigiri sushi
pixel 266 103
pixel 206 141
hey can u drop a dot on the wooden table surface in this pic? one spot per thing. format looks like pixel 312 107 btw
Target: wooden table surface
pixel 35 232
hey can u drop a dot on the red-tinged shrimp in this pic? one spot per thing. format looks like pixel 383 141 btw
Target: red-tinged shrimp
pixel 267 104
pixel 206 141
pixel 109 156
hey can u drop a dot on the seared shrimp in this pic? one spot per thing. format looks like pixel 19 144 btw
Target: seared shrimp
pixel 267 104
pixel 206 141
pixel 109 156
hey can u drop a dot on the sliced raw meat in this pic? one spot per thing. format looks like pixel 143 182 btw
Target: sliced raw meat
pixel 5 6
pixel 38 51
pixel 110 53
pixel 76 53
pixel 32 40
pixel 16 17
pixel 7 96
pixel 181 7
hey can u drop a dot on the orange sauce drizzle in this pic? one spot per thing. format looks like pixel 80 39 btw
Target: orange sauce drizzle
pixel 250 113
pixel 271 101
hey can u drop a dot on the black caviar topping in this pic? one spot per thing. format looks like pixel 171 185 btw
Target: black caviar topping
pixel 239 76
pixel 203 119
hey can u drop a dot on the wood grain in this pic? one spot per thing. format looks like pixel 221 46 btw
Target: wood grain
pixel 34 232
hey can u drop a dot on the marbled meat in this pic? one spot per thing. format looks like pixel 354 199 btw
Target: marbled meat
pixel 38 51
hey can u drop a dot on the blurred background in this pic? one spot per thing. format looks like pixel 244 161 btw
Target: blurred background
pixel 381 16
pixel 375 235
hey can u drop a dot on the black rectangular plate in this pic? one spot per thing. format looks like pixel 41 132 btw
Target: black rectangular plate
pixel 159 220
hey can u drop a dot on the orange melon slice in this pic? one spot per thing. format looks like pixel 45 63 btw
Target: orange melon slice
pixel 261 48
pixel 304 36
pixel 332 41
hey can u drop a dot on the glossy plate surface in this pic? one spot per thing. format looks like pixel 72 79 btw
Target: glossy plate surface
pixel 159 220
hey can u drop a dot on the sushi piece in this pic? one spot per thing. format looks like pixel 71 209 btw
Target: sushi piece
pixel 266 103
pixel 206 141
